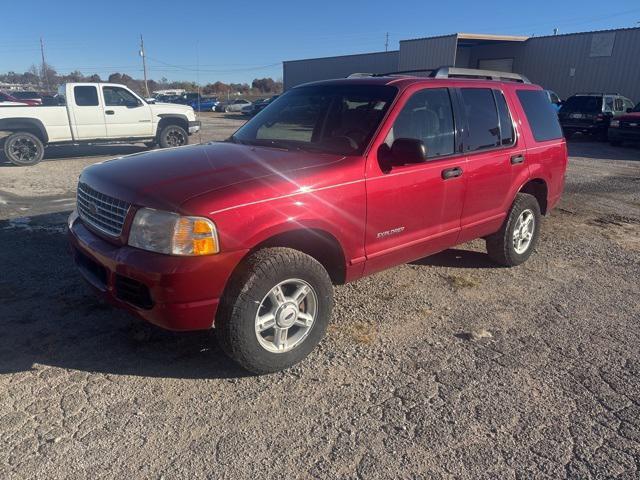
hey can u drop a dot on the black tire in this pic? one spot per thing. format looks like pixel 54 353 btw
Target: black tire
pixel 23 149
pixel 255 278
pixel 500 245
pixel 173 136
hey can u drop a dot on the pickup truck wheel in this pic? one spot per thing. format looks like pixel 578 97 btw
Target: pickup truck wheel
pixel 275 310
pixel 513 244
pixel 173 136
pixel 23 149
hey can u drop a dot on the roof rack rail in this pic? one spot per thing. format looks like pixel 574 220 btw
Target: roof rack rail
pixel 360 75
pixel 452 72
pixel 455 72
pixel 598 93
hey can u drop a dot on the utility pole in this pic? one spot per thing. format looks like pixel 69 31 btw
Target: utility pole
pixel 386 43
pixel 144 66
pixel 44 65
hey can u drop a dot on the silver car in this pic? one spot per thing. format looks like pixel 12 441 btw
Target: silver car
pixel 237 105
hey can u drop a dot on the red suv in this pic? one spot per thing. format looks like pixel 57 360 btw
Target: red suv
pixel 332 181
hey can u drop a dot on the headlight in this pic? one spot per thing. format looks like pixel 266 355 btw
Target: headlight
pixel 614 123
pixel 173 234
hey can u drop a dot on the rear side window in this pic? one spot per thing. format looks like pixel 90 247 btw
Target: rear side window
pixel 540 114
pixel 507 135
pixel 482 117
pixel 86 96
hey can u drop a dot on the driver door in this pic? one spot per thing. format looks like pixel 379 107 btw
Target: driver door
pixel 414 210
pixel 126 116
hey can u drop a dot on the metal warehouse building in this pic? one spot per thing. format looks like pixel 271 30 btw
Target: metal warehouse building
pixel 602 61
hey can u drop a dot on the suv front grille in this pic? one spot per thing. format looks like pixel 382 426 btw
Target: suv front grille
pixel 100 211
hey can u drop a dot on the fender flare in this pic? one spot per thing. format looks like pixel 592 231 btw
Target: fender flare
pixel 18 124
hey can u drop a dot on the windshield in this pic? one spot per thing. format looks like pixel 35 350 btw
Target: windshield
pixel 338 119
pixel 582 103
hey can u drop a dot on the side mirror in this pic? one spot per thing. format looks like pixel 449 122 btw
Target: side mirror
pixel 408 150
pixel 629 110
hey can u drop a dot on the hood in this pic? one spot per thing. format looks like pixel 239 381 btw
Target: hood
pixel 159 109
pixel 165 179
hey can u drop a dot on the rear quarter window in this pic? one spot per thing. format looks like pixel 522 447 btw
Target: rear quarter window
pixel 542 117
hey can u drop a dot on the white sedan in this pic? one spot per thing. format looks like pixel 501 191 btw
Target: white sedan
pixel 237 105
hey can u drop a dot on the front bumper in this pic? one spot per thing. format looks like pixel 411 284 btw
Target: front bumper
pixel 194 126
pixel 176 293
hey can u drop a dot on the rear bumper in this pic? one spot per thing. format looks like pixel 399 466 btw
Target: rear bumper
pixel 176 293
pixel 194 126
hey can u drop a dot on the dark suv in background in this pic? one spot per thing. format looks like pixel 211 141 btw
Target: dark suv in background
pixel 591 113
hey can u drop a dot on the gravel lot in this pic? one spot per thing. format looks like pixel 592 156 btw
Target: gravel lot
pixel 445 368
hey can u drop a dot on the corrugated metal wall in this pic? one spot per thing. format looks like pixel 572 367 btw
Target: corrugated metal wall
pixel 427 52
pixel 302 71
pixel 564 63
pixel 549 61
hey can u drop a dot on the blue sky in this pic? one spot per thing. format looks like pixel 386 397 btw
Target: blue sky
pixel 239 41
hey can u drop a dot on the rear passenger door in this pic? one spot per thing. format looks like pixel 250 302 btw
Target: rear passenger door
pixel 495 159
pixel 88 117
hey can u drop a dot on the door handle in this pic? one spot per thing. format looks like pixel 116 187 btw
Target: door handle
pixel 451 173
pixel 109 112
pixel 516 159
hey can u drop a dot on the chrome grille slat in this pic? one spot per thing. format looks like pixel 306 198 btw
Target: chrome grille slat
pixel 101 211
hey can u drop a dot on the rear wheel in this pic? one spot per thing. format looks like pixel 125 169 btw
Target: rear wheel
pixel 23 149
pixel 275 310
pixel 513 244
pixel 173 136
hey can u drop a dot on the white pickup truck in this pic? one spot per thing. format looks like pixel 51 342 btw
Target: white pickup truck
pixel 93 113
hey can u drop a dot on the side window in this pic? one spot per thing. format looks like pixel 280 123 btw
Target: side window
pixel 507 134
pixel 482 118
pixel 86 96
pixel 619 106
pixel 542 117
pixel 119 97
pixel 608 104
pixel 427 116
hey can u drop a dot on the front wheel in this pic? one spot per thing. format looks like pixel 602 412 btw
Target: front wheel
pixel 23 149
pixel 275 311
pixel 513 244
pixel 173 136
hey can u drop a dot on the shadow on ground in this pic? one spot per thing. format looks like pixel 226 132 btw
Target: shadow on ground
pixel 48 315
pixel 586 147
pixel 70 151
pixel 457 258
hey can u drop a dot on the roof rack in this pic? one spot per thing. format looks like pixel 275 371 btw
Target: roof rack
pixel 598 93
pixel 455 72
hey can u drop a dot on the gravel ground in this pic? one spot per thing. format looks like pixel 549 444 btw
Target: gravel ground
pixel 444 368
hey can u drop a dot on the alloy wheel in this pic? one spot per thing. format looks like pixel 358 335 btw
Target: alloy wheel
pixel 523 231
pixel 286 315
